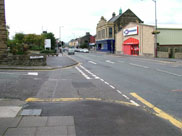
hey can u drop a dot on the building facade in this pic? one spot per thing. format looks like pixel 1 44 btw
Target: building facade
pixel 106 30
pixel 3 32
pixel 138 39
pixel 135 39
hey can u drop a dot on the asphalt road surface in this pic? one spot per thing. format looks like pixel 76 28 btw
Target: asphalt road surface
pixel 107 95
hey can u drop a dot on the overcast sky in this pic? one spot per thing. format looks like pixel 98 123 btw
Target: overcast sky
pixel 76 17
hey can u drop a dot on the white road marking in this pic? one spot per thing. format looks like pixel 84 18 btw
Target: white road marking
pixel 33 73
pixel 102 79
pixel 108 61
pixel 126 97
pixel 86 76
pixel 119 91
pixel 174 74
pixel 121 61
pixel 92 62
pixel 112 86
pixel 106 83
pixel 134 103
pixel 96 77
pixel 141 66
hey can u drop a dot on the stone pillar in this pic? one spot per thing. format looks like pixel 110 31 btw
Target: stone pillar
pixel 3 32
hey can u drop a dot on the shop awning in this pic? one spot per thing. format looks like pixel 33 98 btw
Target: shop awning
pixel 131 41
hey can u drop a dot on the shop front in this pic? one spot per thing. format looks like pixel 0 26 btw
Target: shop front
pixel 135 39
pixel 131 47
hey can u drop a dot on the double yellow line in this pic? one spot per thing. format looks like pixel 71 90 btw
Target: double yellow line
pixel 158 111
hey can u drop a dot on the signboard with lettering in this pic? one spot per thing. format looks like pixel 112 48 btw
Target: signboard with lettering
pixel 130 31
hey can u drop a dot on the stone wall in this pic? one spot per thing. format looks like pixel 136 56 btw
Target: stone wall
pixel 161 54
pixel 27 60
pixel 3 33
pixel 178 55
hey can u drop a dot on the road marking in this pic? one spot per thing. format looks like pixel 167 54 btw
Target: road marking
pixel 86 76
pixel 158 111
pixel 174 74
pixel 92 62
pixel 112 86
pixel 33 73
pixel 96 77
pixel 106 83
pixel 141 66
pixel 119 91
pixel 121 61
pixel 108 61
pixel 134 103
pixel 76 99
pixel 178 90
pixel 102 79
pixel 126 97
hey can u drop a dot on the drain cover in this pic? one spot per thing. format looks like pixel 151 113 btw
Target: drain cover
pixel 31 112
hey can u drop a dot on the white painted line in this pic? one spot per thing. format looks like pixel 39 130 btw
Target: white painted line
pixel 86 76
pixel 134 103
pixel 92 62
pixel 141 66
pixel 96 77
pixel 126 97
pixel 108 61
pixel 106 83
pixel 119 91
pixel 33 73
pixel 112 86
pixel 174 74
pixel 121 61
pixel 102 79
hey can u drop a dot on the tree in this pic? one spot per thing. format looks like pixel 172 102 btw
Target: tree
pixel 53 39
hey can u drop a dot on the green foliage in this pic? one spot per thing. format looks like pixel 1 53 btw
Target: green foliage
pixel 53 39
pixel 19 38
pixel 19 49
pixel 48 51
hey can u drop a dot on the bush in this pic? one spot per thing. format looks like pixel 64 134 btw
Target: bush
pixel 36 48
pixel 19 49
pixel 48 51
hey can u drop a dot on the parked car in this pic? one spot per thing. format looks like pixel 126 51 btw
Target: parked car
pixel 85 50
pixel 71 51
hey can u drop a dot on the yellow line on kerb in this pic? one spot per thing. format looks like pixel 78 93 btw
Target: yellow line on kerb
pixel 159 112
pixel 75 99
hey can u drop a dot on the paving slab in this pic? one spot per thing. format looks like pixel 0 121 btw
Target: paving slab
pixel 33 122
pixel 9 111
pixel 52 131
pixel 21 132
pixel 71 131
pixel 60 121
pixel 31 112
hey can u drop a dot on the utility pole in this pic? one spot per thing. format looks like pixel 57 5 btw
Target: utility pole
pixel 155 34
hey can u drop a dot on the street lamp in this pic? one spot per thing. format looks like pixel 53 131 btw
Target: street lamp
pixel 155 33
pixel 60 32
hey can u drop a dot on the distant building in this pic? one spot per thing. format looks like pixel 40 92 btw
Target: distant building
pixel 85 40
pixel 138 39
pixel 106 30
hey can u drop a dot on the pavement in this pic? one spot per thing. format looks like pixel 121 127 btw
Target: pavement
pixel 53 62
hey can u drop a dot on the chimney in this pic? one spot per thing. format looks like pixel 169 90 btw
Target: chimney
pixel 113 14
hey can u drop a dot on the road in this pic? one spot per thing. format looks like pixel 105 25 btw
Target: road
pixel 158 82
pixel 106 94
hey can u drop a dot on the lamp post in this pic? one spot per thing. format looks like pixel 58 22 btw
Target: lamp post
pixel 155 34
pixel 60 32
